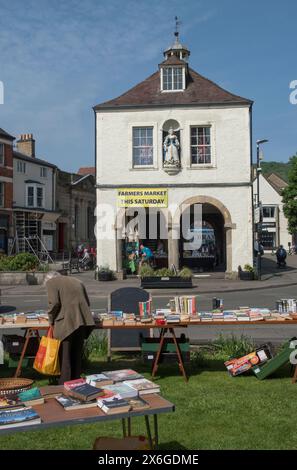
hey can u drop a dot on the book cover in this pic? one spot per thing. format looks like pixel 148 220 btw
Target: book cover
pixel 73 383
pixel 138 404
pixel 121 375
pixel 98 380
pixel 143 386
pixel 85 392
pixel 70 403
pixel 18 417
pixel 123 390
pixel 115 404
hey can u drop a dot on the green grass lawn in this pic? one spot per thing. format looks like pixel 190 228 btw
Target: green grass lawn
pixel 213 411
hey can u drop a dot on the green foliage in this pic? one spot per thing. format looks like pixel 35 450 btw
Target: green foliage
pixel 233 346
pixel 95 346
pixel 164 272
pixel 185 272
pixel 20 262
pixel 290 197
pixel 146 271
pixel 249 268
pixel 280 168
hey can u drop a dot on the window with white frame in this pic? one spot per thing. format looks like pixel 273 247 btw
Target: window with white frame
pixel 200 145
pixel 172 78
pixel 21 166
pixel 2 154
pixel 39 196
pixel 143 146
pixel 2 194
pixel 43 172
pixel 268 212
pixel 35 196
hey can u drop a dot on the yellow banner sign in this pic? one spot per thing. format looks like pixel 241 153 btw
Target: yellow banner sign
pixel 142 197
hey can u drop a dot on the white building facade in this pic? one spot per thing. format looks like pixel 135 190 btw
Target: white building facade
pixel 181 136
pixel 34 199
pixel 274 222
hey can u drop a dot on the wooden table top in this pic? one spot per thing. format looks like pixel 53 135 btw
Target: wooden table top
pixel 139 325
pixel 52 414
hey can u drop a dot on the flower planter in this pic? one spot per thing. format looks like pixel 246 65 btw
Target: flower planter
pixel 104 276
pixel 246 276
pixel 165 282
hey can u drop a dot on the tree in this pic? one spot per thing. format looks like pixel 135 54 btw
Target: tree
pixel 289 195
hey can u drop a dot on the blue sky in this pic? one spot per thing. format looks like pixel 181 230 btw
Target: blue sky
pixel 60 58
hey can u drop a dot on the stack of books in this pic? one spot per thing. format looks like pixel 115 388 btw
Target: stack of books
pixel 143 386
pixel 206 316
pixel 79 394
pixel 98 380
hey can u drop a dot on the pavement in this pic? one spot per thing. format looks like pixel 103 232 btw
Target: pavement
pixel 204 283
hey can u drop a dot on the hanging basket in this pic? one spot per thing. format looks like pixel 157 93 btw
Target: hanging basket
pixel 11 385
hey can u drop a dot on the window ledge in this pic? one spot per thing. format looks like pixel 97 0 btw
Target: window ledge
pixel 143 168
pixel 201 166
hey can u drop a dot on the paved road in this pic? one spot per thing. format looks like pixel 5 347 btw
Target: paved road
pixel 27 300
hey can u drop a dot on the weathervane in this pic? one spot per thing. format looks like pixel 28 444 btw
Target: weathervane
pixel 177 24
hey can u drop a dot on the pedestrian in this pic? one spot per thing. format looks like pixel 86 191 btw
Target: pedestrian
pixel 69 314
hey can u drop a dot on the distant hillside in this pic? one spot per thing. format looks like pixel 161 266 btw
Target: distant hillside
pixel 276 167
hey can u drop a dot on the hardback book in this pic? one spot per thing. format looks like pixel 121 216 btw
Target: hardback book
pixel 84 392
pixel 74 383
pixel 143 386
pixel 121 375
pixel 98 380
pixel 115 404
pixel 122 389
pixel 51 391
pixel 70 403
pixel 23 416
pixel 138 404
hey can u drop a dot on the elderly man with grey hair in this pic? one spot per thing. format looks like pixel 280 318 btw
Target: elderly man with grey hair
pixel 69 314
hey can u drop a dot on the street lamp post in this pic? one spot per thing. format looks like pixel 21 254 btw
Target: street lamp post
pixel 259 142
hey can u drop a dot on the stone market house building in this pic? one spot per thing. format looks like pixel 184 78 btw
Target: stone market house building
pixel 181 135
pixel 76 201
pixel 6 190
pixel 34 199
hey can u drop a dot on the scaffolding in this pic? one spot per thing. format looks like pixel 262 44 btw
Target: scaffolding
pixel 27 239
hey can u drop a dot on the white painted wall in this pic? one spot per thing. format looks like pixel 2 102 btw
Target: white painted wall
pixel 270 197
pixel 230 145
pixel 230 136
pixel 32 173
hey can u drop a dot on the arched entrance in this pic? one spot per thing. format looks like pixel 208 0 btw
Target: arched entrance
pixel 212 249
pixel 141 225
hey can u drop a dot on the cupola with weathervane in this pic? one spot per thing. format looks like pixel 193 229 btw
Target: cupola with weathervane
pixel 173 70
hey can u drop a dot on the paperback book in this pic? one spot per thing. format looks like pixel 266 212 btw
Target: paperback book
pixel 70 403
pixel 98 380
pixel 143 386
pixel 123 390
pixel 115 404
pixel 85 392
pixel 73 383
pixel 23 416
pixel 121 375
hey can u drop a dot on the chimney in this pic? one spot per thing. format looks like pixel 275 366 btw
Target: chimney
pixel 26 145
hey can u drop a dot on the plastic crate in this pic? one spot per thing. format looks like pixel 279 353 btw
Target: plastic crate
pixel 282 358
pixel 13 361
pixel 13 344
pixel 150 347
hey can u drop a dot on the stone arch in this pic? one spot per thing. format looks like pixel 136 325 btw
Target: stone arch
pixel 200 199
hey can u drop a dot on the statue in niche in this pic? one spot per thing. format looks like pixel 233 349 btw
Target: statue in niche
pixel 171 150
